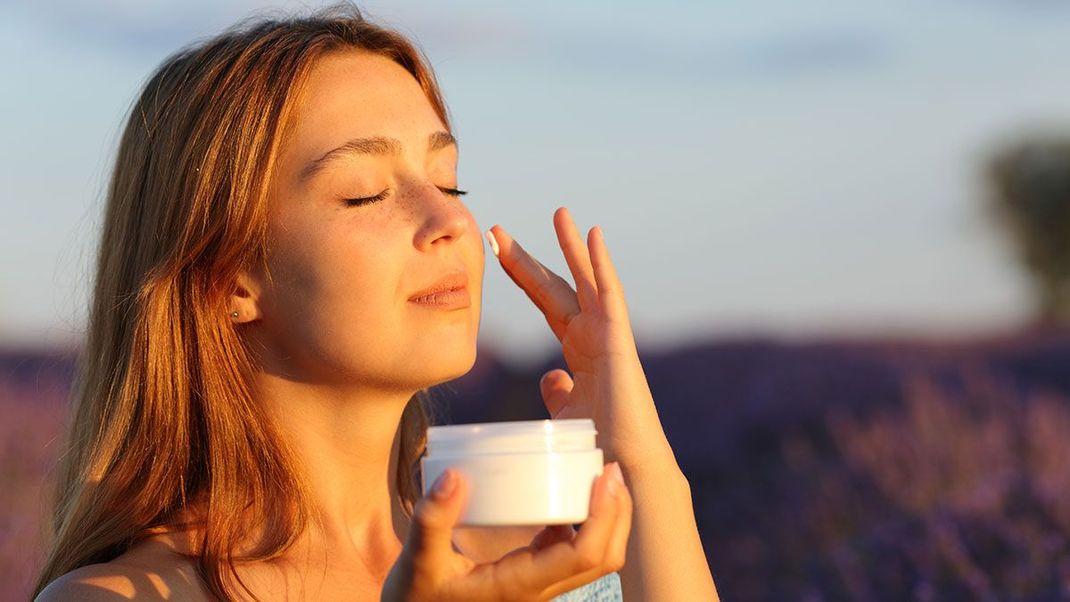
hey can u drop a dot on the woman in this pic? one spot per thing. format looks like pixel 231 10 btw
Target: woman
pixel 251 403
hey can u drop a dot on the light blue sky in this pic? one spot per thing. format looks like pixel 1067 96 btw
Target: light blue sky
pixel 796 168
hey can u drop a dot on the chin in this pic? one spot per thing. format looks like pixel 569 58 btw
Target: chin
pixel 445 365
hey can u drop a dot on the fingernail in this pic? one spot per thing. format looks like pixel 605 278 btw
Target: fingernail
pixel 616 478
pixel 444 485
pixel 493 243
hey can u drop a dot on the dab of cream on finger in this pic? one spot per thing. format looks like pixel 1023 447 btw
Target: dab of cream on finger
pixel 493 242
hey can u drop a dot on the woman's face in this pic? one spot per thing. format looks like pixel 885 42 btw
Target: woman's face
pixel 337 307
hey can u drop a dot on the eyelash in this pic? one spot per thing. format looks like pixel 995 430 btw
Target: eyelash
pixel 453 192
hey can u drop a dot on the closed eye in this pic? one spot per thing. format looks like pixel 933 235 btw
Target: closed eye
pixel 382 195
pixel 453 191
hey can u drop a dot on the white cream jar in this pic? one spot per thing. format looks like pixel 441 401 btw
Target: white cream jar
pixel 526 472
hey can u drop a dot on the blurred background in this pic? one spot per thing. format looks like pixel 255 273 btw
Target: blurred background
pixel 843 228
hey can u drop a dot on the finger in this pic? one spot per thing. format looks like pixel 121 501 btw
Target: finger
pixel 610 289
pixel 434 518
pixel 588 548
pixel 556 389
pixel 591 547
pixel 561 566
pixel 553 534
pixel 577 257
pixel 594 532
pixel 551 293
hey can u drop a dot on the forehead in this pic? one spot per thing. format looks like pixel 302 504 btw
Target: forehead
pixel 356 93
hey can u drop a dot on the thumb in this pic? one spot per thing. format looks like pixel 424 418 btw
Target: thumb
pixel 556 389
pixel 435 516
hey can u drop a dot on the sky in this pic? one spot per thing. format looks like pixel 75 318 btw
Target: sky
pixel 795 169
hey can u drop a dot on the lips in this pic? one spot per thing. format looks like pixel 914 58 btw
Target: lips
pixel 449 284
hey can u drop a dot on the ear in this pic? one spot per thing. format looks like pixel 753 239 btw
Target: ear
pixel 246 298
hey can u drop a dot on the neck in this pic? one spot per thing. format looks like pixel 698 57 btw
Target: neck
pixel 347 447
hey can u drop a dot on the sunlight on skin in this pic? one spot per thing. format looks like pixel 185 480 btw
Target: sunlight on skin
pixel 608 385
pixel 161 586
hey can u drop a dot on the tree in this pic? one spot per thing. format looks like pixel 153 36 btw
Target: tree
pixel 1031 186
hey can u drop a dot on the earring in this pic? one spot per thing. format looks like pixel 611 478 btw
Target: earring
pixel 234 314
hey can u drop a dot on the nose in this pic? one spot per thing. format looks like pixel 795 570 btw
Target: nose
pixel 440 216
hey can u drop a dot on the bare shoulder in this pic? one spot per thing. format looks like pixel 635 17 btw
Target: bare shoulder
pixel 149 571
pixel 98 582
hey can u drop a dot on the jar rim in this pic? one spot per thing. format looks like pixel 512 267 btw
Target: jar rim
pixel 563 426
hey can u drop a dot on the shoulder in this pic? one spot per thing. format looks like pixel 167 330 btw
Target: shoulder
pixel 149 571
pixel 93 583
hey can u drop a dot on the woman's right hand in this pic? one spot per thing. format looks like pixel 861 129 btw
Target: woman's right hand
pixel 557 560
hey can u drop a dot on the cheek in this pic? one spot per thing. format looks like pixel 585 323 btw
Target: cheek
pixel 326 278
pixel 337 311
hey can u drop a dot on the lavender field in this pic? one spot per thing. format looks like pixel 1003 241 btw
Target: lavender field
pixel 829 470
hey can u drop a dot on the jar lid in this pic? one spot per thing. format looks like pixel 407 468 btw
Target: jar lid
pixel 516 436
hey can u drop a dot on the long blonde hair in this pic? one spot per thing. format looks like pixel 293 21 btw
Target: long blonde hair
pixel 162 412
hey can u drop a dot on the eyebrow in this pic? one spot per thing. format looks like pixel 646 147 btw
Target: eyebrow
pixel 376 145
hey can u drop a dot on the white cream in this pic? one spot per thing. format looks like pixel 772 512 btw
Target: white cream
pixel 526 472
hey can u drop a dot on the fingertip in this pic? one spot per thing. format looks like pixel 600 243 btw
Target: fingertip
pixel 615 471
pixel 600 497
pixel 502 235
pixel 552 375
pixel 445 485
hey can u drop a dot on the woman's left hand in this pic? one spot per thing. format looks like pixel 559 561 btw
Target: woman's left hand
pixel 607 383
